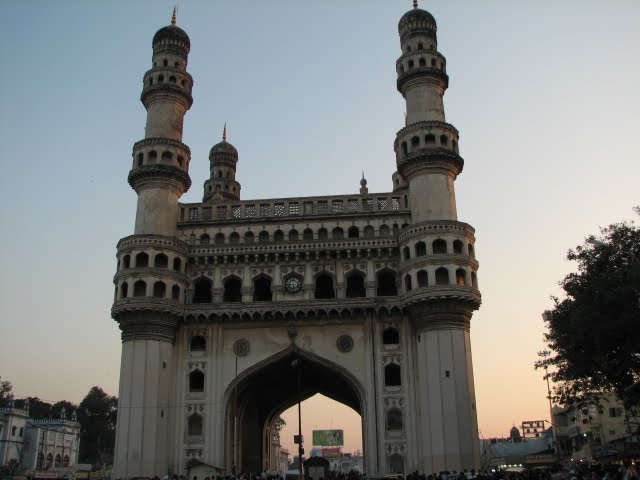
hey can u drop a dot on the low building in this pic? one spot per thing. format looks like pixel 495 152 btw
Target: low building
pixel 42 444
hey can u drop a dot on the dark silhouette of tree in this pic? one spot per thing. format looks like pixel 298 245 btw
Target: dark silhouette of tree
pixel 6 389
pixel 97 414
pixel 594 332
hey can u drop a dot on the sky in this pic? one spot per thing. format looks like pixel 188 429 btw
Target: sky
pixel 545 96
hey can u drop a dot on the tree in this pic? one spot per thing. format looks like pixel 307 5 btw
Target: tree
pixel 6 389
pixel 97 415
pixel 594 332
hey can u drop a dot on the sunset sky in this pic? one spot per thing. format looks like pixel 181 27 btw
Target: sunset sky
pixel 544 93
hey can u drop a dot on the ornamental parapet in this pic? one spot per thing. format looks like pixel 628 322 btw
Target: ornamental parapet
pixel 426 124
pixel 421 75
pixel 168 92
pixel 147 318
pixel 156 273
pixel 418 230
pixel 430 158
pixel 457 259
pixel 146 304
pixel 159 242
pixel 159 175
pixel 279 209
pixel 152 142
pixel 441 313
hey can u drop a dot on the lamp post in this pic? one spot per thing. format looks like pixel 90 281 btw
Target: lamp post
pixel 297 364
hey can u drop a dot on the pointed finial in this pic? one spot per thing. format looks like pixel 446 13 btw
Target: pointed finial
pixel 224 132
pixel 415 3
pixel 174 17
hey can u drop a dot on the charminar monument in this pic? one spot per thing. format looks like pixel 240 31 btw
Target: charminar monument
pixel 232 310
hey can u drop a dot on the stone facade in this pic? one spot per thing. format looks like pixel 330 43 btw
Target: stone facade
pixel 365 298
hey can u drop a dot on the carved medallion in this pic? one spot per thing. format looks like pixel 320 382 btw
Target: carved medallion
pixel 344 343
pixel 241 347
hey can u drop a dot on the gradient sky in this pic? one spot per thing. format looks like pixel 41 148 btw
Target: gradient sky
pixel 545 95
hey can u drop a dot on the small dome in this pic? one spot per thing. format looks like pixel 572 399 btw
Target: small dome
pixel 417 20
pixel 223 147
pixel 172 32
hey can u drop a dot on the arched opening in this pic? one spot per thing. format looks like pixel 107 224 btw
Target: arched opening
pixel 140 159
pixel 423 279
pixel 202 290
pixel 159 289
pixel 461 277
pixel 219 239
pixel 161 261
pixel 444 140
pixel 198 344
pixel 140 289
pixel 471 251
pixel 338 233
pixel 321 382
pixel 124 290
pixel 293 235
pixel 65 461
pixel 439 246
pixel 421 249
pixel 394 419
pixel 175 292
pixel 396 463
pixel 422 62
pixel 442 276
pixel 49 462
pixel 263 237
pixel 369 231
pixel 386 284
pixel 324 287
pixel 415 142
pixel 142 260
pixel 474 280
pixel 249 237
pixel 232 290
pixel 126 261
pixel 307 234
pixel 205 239
pixel 278 236
pixel 392 375
pixel 58 462
pixel 234 238
pixel 430 138
pixel 407 283
pixel 457 247
pixel 323 234
pixel 406 253
pixel 390 336
pixel 177 264
pixel 194 425
pixel 353 232
pixel 153 156
pixel 405 148
pixel 40 461
pixel 355 286
pixel 384 230
pixel 196 381
pixel 262 290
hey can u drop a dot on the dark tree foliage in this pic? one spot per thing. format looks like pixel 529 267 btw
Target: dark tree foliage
pixel 594 332
pixel 97 414
pixel 6 389
pixel 37 408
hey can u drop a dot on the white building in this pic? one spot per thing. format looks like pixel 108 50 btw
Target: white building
pixel 237 309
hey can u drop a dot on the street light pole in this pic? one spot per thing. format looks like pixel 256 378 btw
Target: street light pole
pixel 300 447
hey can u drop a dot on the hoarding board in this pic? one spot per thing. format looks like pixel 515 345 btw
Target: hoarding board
pixel 331 453
pixel 328 438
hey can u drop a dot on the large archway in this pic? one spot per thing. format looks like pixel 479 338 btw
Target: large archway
pixel 269 388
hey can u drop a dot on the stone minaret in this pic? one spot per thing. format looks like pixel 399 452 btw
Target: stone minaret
pixel 150 281
pixel 222 185
pixel 438 262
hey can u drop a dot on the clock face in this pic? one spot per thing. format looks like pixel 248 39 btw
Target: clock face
pixel 293 284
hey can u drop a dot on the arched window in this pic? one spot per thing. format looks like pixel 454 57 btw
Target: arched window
pixel 263 237
pixel 421 249
pixel 411 64
pixel 390 336
pixel 444 140
pixel 442 276
pixel 384 230
pixel 405 148
pixel 262 290
pixel 457 247
pixel 161 79
pixel 415 142
pixel 454 145
pixel 58 462
pixel 142 260
pixel 65 461
pixel 423 279
pixel 338 233
pixel 198 343
pixel 161 261
pixel 353 232
pixel 406 253
pixel 232 290
pixel 386 284
pixel 124 290
pixel 396 463
pixel 49 461
pixel 422 62
pixel 470 248
pixel 439 246
pixel 234 238
pixel 433 62
pixel 407 282
pixel 394 419
pixel 249 237
pixel 474 280
pixel 180 161
pixel 323 234
pixel 369 231
pixel 153 156
pixel 461 277
pixel 293 235
pixel 140 159
pixel 165 62
pixel 355 286
pixel 167 156
pixel 126 261
pixel 430 138
pixel 196 381
pixel 278 236
pixel 420 46
pixel 307 234
pixel 159 289
pixel 395 229
pixel 175 292
pixel 140 289
pixel 172 79
pixel 219 239
pixel 392 377
pixel 204 239
pixel 194 425
pixel 40 461
pixel 324 287
pixel 177 264
pixel 202 290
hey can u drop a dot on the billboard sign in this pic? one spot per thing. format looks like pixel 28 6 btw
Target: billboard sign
pixel 332 453
pixel 328 438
